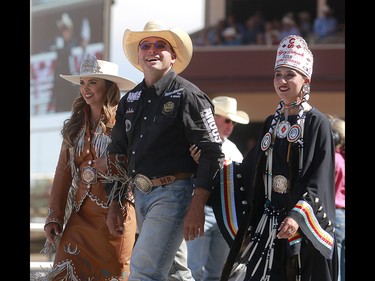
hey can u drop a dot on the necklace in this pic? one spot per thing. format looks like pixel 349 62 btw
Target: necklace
pixel 283 126
pixel 292 105
pixel 267 139
pixel 293 133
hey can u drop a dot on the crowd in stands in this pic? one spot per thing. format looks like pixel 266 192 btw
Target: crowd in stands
pixel 255 30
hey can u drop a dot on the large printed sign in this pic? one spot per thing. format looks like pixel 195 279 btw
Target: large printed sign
pixel 61 34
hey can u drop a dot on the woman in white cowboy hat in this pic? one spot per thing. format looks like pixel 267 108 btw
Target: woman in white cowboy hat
pixel 157 122
pixel 288 231
pixel 76 221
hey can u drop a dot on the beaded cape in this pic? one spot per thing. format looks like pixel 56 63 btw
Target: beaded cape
pixel 311 197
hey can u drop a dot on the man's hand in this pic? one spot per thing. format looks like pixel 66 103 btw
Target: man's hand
pixel 115 219
pixel 194 219
pixel 101 164
pixel 195 153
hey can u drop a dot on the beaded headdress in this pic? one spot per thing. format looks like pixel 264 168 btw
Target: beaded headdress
pixel 293 52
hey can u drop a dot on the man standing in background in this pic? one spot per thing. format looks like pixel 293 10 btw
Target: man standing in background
pixel 207 254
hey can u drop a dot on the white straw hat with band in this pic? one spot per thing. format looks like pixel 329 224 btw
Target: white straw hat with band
pixel 227 107
pixel 91 67
pixel 177 38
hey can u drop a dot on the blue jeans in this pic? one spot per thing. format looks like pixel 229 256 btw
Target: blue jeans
pixel 207 254
pixel 340 237
pixel 179 270
pixel 160 221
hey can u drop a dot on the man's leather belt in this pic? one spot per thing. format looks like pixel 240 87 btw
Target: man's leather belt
pixel 145 184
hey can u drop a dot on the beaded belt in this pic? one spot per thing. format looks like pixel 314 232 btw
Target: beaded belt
pixel 145 184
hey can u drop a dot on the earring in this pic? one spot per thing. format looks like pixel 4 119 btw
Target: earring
pixel 306 89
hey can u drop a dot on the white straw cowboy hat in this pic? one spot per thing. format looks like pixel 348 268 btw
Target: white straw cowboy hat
pixel 91 67
pixel 65 21
pixel 177 38
pixel 227 107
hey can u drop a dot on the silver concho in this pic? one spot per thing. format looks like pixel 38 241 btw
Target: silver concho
pixel 266 141
pixel 168 107
pixel 89 175
pixel 279 184
pixel 282 129
pixel 143 183
pixel 294 133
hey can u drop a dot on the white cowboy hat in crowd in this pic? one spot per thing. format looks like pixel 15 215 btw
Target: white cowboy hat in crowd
pixel 65 21
pixel 177 38
pixel 227 107
pixel 91 67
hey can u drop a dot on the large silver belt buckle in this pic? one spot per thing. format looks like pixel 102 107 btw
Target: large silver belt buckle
pixel 143 183
pixel 280 184
pixel 89 175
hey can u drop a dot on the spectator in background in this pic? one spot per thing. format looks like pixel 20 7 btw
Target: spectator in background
pixel 271 33
pixel 253 33
pixel 214 34
pixel 231 32
pixel 305 24
pixel 231 37
pixel 288 27
pixel 62 96
pixel 325 26
pixel 207 254
pixel 338 132
pixel 201 38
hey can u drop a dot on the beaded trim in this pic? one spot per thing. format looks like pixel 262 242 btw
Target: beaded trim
pixel 90 65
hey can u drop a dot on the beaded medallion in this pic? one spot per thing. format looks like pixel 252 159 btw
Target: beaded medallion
pixel 282 129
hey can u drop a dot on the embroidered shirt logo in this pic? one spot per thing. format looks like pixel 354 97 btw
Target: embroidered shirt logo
pixel 132 96
pixel 175 94
pixel 168 108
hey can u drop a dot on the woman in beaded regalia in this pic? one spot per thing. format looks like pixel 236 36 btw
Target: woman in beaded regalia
pixel 76 221
pixel 287 232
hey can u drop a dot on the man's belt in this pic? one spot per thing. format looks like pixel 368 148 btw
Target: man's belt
pixel 145 184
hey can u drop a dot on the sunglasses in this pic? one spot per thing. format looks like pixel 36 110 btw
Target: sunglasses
pixel 227 121
pixel 158 45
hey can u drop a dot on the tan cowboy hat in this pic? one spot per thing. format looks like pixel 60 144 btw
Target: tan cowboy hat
pixel 227 107
pixel 91 67
pixel 178 38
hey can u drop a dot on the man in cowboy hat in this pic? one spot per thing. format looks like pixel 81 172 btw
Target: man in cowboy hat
pixel 62 97
pixel 207 255
pixel 156 122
